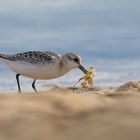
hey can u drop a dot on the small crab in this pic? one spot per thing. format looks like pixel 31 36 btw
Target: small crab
pixel 87 79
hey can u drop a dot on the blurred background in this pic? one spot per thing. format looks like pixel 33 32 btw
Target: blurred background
pixel 105 33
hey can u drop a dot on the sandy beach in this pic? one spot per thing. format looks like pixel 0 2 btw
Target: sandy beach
pixel 64 114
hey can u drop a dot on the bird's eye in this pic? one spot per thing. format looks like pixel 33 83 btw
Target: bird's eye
pixel 76 60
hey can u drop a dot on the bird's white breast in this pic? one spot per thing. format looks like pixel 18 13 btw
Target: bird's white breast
pixel 36 71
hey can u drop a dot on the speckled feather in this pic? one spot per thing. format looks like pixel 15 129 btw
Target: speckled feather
pixel 34 57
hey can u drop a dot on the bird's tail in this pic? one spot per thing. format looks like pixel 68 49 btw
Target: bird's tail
pixel 0 55
pixel 3 56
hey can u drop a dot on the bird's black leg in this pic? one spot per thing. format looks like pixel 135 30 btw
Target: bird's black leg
pixel 17 77
pixel 33 85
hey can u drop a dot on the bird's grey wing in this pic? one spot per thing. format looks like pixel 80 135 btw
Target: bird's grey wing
pixel 34 57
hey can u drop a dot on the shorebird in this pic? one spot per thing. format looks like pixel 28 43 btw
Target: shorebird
pixel 41 65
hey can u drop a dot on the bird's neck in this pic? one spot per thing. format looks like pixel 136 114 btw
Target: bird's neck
pixel 66 65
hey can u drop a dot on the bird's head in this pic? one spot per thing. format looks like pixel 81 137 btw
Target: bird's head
pixel 72 61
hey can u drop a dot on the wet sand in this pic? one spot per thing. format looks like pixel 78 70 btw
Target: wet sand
pixel 64 114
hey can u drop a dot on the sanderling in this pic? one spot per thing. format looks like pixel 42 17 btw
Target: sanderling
pixel 41 65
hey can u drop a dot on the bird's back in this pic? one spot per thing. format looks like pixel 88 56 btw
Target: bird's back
pixel 35 64
pixel 34 57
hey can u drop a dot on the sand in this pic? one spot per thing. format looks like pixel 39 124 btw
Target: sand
pixel 64 114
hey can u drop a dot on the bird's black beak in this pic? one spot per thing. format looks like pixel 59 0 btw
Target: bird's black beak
pixel 82 69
